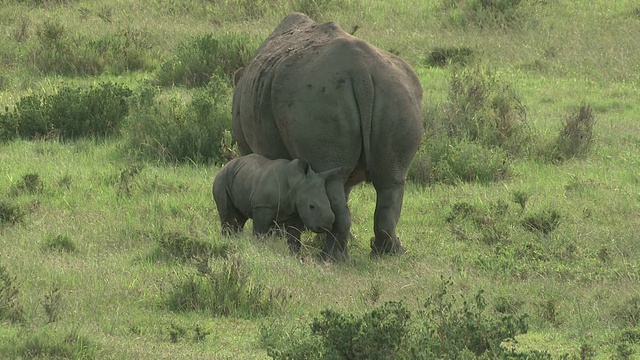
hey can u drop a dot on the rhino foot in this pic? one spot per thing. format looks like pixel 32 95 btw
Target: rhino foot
pixel 335 254
pixel 387 246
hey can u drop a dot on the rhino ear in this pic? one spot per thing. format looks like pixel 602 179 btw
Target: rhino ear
pixel 326 175
pixel 301 165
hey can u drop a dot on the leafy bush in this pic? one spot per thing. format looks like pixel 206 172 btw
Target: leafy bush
pixel 576 136
pixel 59 52
pixel 447 161
pixel 202 58
pixel 502 14
pixel 482 108
pixel 47 344
pixel 229 291
pixel 628 313
pixel 59 243
pixel 448 327
pixel 71 113
pixel 10 306
pixel 315 9
pixel 182 247
pixel 543 221
pixel 475 134
pixel 442 56
pixel 29 183
pixel 378 334
pixel 460 325
pixel 10 212
pixel 171 130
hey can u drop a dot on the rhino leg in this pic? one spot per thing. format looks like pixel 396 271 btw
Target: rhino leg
pixel 263 221
pixel 232 221
pixel 336 241
pixel 293 232
pixel 387 213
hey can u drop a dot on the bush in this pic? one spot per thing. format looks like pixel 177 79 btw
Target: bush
pixel 116 53
pixel 448 327
pixel 10 213
pixel 10 306
pixel 576 136
pixel 30 183
pixel 543 221
pixel 482 108
pixel 46 344
pixel 182 247
pixel 229 291
pixel 59 243
pixel 442 56
pixel 199 60
pixel 447 161
pixel 172 131
pixel 71 113
pixel 315 9
pixel 378 334
pixel 501 14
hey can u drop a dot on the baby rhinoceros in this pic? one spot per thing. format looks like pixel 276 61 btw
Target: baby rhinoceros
pixel 283 193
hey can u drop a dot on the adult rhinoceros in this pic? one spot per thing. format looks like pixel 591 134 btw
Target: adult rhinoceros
pixel 316 93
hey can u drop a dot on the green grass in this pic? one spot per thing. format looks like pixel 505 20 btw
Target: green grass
pixel 95 239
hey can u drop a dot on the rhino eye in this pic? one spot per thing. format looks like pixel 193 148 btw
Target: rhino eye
pixel 312 207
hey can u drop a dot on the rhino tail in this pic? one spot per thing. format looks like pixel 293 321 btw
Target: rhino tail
pixel 363 91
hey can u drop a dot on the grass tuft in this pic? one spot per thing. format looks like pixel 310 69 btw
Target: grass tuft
pixel 227 291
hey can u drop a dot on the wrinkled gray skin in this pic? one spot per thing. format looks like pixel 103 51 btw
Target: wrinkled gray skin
pixel 283 193
pixel 315 92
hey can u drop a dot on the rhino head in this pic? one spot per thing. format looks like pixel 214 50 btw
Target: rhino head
pixel 310 197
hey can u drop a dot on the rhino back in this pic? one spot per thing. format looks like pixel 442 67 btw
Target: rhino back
pixel 325 96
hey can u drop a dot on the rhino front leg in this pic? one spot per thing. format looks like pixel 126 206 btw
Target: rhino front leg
pixel 336 247
pixel 263 221
pixel 293 233
pixel 387 213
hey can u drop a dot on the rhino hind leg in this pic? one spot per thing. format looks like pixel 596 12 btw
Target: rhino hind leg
pixel 387 213
pixel 232 221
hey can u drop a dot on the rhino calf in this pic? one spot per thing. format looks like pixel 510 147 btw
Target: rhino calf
pixel 283 193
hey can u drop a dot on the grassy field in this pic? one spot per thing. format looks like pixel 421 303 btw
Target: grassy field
pixel 111 255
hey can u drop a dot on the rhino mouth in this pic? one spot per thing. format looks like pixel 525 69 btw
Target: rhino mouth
pixel 318 229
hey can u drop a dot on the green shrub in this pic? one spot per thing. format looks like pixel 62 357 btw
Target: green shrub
pixel 174 131
pixel 182 247
pixel 10 212
pixel 447 55
pixel 576 136
pixel 447 161
pixel 59 52
pixel 493 14
pixel 379 334
pixel 29 183
pixel 315 9
pixel 200 59
pixel 59 243
pixel 47 344
pixel 72 112
pixel 229 291
pixel 628 313
pixel 543 221
pixel 481 107
pixel 447 327
pixel 457 325
pixel 118 53
pixel 10 305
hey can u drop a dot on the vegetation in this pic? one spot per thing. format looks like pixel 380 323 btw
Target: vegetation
pixel 520 212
